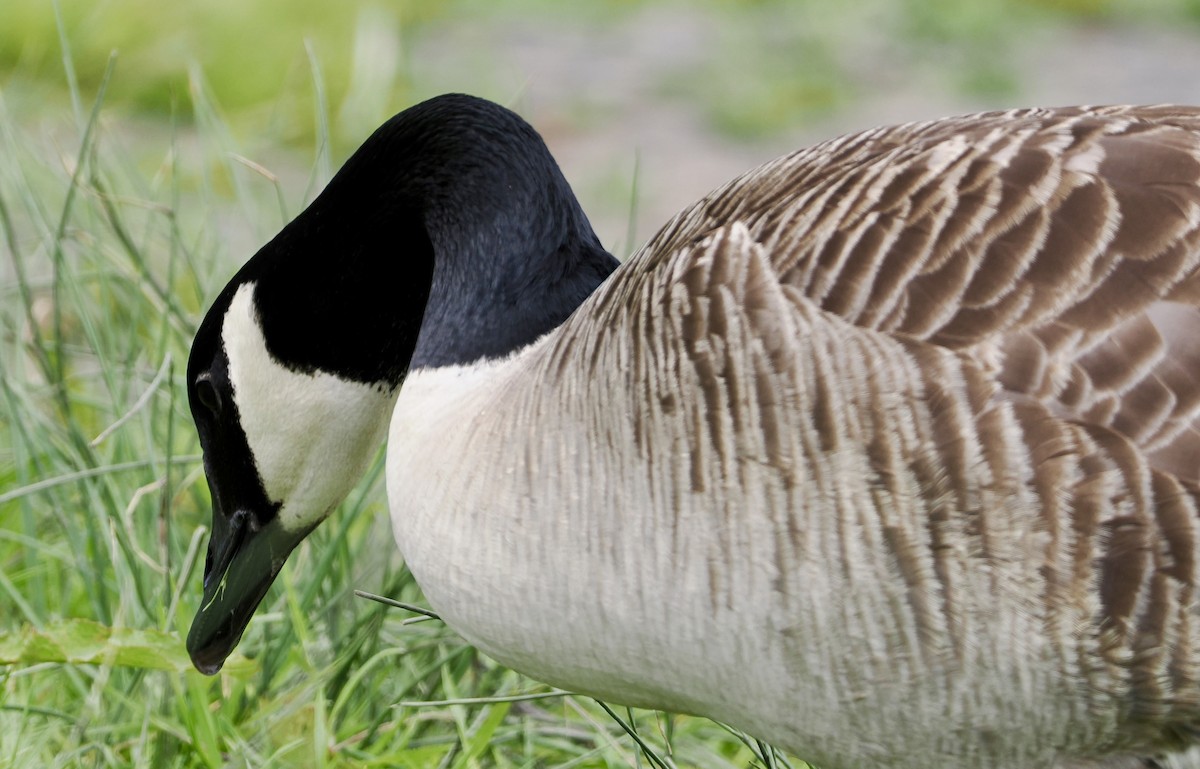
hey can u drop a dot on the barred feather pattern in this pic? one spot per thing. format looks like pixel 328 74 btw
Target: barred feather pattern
pixel 916 419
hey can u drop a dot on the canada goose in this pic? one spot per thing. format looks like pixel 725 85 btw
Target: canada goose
pixel 886 452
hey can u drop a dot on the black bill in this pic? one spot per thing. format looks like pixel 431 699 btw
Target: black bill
pixel 243 561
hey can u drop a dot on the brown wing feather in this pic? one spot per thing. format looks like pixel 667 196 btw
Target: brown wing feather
pixel 1059 248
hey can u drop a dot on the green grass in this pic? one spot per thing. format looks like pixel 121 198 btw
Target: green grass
pixel 112 248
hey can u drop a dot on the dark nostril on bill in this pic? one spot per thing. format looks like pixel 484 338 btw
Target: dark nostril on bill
pixel 208 565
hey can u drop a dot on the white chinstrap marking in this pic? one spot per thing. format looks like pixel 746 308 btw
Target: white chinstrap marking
pixel 311 435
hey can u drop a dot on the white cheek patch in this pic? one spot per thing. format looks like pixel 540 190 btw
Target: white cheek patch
pixel 312 435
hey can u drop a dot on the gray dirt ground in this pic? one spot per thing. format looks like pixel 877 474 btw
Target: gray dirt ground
pixel 596 93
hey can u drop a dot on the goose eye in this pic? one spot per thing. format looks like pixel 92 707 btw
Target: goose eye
pixel 207 394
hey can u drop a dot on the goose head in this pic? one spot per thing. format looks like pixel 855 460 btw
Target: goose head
pixel 448 237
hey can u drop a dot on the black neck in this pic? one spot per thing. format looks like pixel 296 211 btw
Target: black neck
pixel 449 236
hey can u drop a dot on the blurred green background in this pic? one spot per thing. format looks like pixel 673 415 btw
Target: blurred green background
pixel 147 148
pixel 696 91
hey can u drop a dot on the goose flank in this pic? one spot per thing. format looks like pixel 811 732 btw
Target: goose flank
pixel 886 452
